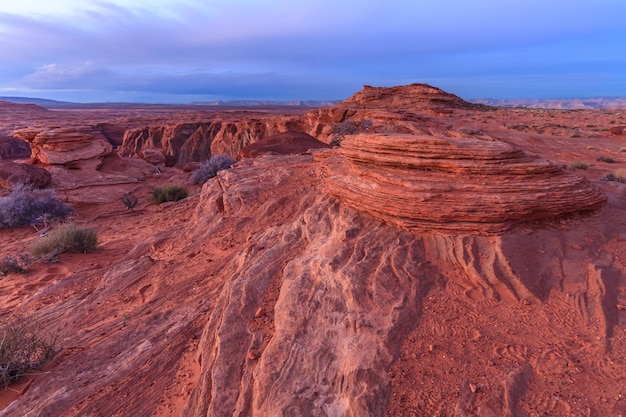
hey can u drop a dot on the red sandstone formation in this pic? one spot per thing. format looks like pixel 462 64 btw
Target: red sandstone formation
pixel 274 291
pixel 424 183
pixel 194 142
pixel 12 173
pixel 282 144
pixel 59 146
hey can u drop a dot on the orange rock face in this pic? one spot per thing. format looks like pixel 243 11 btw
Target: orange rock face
pixel 424 183
pixel 58 146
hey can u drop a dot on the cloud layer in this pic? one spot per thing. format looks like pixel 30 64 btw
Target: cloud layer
pixel 183 51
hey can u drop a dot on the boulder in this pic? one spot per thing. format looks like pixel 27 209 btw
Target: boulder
pixel 12 173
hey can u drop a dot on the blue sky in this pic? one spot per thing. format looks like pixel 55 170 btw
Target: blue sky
pixel 183 51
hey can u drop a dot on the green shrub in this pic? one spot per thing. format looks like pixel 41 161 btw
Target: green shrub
pixel 168 192
pixel 67 238
pixel 23 348
pixel 578 165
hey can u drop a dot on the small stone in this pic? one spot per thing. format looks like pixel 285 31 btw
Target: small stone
pixel 473 387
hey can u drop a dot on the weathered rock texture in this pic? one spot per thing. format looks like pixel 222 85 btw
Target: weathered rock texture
pixel 424 183
pixel 282 144
pixel 194 142
pixel 59 146
pixel 12 173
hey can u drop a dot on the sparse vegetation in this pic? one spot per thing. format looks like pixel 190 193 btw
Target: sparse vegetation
pixel 167 192
pixel 578 165
pixel 67 238
pixel 618 176
pixel 11 265
pixel 605 159
pixel 209 168
pixel 130 201
pixel 23 348
pixel 25 205
pixel 622 149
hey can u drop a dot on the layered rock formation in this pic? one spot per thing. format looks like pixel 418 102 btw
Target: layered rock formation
pixel 282 144
pixel 63 146
pixel 195 142
pixel 423 183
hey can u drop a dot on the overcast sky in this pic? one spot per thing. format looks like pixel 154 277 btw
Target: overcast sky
pixel 201 50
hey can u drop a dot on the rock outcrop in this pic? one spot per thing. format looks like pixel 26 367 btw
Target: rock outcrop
pixel 282 144
pixel 11 148
pixel 464 185
pixel 12 173
pixel 195 142
pixel 65 146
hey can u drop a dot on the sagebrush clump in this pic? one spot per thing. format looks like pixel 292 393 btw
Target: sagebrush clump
pixel 579 165
pixel 24 347
pixel 66 238
pixel 25 205
pixel 209 168
pixel 167 192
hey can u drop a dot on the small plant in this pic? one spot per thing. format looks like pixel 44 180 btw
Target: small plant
pixel 167 192
pixel 605 159
pixel 130 201
pixel 23 349
pixel 578 165
pixel 67 238
pixel 209 168
pixel 623 149
pixel 348 127
pixel 11 265
pixel 25 205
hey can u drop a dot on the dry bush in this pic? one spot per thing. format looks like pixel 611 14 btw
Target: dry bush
pixel 13 265
pixel 24 347
pixel 578 165
pixel 209 168
pixel 67 238
pixel 168 192
pixel 25 205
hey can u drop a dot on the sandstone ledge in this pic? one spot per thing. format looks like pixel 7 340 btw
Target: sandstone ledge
pixel 424 183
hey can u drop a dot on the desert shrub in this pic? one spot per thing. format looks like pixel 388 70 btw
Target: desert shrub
pixel 623 149
pixel 11 265
pixel 167 192
pixel 605 159
pixel 209 168
pixel 130 201
pixel 25 205
pixel 578 165
pixel 66 238
pixel 23 348
pixel 348 127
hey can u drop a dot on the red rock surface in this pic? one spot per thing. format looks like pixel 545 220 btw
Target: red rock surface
pixel 466 185
pixel 12 173
pixel 262 294
pixel 58 146
pixel 11 148
pixel 282 144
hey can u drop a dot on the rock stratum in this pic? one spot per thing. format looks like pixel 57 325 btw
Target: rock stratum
pixel 425 183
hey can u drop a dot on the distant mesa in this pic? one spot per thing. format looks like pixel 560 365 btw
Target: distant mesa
pixel 282 144
pixel 9 106
pixel 465 185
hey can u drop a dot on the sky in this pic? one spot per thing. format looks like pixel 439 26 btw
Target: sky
pixel 184 51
